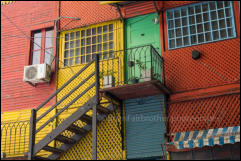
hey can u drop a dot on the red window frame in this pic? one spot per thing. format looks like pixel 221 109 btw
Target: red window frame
pixel 43 47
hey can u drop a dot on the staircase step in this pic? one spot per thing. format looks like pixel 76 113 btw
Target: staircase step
pixel 102 110
pixel 40 158
pixel 77 130
pixel 86 119
pixel 53 150
pixel 65 139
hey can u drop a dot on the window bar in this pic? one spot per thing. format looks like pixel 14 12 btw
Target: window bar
pixel 174 29
pixel 232 15
pixel 210 22
pixel 219 35
pixel 224 12
pixel 196 34
pixel 188 28
pixel 204 32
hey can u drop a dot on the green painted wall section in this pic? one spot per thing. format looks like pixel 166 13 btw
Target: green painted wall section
pixel 140 31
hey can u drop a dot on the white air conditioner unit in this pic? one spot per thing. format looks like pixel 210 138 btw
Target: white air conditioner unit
pixel 37 73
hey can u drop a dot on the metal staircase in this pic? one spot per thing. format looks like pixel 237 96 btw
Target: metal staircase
pixel 99 113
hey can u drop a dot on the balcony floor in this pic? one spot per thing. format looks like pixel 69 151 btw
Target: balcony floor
pixel 137 90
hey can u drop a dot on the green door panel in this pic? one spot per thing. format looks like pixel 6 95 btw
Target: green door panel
pixel 140 31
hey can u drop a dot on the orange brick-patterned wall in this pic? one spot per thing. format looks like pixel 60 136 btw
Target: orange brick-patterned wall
pixel 209 113
pixel 15 52
pixel 89 12
pixel 218 65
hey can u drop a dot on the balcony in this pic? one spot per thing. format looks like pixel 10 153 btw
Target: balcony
pixel 133 73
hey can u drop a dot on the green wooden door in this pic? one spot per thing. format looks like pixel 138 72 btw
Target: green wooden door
pixel 139 32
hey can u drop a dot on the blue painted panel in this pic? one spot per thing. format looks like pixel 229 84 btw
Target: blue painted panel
pixel 145 127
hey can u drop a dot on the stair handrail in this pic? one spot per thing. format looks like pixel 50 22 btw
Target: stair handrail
pixel 62 87
pixel 33 118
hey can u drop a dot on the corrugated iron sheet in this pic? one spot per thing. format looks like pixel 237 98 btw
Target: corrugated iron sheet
pixel 145 127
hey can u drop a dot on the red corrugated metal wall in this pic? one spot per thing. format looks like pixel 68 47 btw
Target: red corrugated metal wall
pixel 209 113
pixel 218 65
pixel 90 12
pixel 28 15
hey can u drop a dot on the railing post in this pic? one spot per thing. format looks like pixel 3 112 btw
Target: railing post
pixel 32 134
pixel 94 117
pixel 152 67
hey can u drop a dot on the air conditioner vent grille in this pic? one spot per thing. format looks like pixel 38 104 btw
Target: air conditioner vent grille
pixel 31 73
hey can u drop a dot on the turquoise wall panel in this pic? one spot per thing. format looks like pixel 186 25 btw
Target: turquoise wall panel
pixel 145 127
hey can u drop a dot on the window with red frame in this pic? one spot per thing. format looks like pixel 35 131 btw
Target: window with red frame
pixel 42 46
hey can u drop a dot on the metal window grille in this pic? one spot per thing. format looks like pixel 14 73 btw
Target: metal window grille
pixel 200 23
pixel 82 44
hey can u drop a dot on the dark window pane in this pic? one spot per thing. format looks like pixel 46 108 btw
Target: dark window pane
pixel 200 28
pixel 82 59
pixel 71 44
pixel 199 18
pixel 88 33
pixel 200 38
pixel 190 10
pixel 208 36
pixel 93 31
pixel 94 40
pixel 111 46
pixel 83 33
pixel 99 39
pixel 82 42
pixel 66 45
pixel 77 60
pixel 99 47
pixel 99 30
pixel 105 37
pixel 71 61
pixel 170 24
pixel 223 34
pixel 213 15
pixel 105 29
pixel 88 50
pixel 93 48
pixel 66 53
pixel 178 32
pixel 77 43
pixel 77 51
pixel 77 35
pixel 176 13
pixel 88 58
pixel 206 17
pixel 177 23
pixel 171 34
pixel 83 51
pixel 110 36
pixel 105 46
pixel 66 62
pixel 170 15
pixel 214 25
pixel 212 5
pixel 71 53
pixel 88 41
pixel 110 27
pixel 66 37
pixel 72 36
pixel 215 35
pixel 197 9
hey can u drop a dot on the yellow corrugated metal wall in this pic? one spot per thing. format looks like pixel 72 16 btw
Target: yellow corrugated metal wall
pixel 109 134
pixel 15 131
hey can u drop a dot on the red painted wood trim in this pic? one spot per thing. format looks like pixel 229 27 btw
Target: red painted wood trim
pixel 205 93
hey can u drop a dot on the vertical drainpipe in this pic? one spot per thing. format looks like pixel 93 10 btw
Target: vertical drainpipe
pixel 56 25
